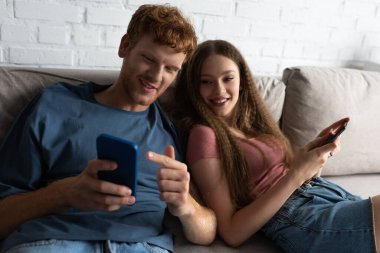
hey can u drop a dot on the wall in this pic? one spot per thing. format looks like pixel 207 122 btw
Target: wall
pixel 272 34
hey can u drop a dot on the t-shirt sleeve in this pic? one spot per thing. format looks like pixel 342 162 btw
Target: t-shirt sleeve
pixel 20 159
pixel 201 144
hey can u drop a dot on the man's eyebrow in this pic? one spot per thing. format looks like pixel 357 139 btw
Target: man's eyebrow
pixel 149 55
pixel 154 58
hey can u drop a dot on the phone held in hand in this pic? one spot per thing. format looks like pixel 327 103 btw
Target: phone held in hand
pixel 125 154
pixel 335 135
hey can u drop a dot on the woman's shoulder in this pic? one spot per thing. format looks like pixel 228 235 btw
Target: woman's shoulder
pixel 202 130
pixel 201 144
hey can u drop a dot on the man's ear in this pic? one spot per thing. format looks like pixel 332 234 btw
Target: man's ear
pixel 124 46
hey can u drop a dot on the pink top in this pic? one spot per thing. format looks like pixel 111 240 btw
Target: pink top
pixel 265 162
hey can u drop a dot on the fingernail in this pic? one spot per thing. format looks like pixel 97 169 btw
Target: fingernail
pixel 130 200
pixel 150 154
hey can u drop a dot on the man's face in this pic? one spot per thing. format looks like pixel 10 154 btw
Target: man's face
pixel 148 70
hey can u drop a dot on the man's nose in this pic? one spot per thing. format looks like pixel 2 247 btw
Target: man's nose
pixel 156 74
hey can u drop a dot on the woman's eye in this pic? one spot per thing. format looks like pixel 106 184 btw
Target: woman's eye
pixel 205 82
pixel 228 79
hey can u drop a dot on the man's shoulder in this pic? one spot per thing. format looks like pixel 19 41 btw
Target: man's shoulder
pixel 171 129
pixel 63 87
pixel 58 97
pixel 164 116
pixel 63 91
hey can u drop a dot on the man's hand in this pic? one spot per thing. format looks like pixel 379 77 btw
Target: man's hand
pixel 87 192
pixel 173 181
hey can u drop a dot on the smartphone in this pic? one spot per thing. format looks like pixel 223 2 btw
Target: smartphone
pixel 125 154
pixel 340 130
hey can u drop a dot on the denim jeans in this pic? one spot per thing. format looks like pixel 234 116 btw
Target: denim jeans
pixel 65 246
pixel 323 217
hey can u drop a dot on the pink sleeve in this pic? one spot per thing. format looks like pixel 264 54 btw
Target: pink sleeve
pixel 201 144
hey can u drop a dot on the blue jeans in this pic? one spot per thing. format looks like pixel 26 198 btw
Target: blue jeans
pixel 323 217
pixel 65 246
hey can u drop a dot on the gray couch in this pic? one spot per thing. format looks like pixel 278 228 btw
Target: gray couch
pixel 304 101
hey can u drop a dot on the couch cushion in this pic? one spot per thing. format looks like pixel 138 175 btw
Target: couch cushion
pixel 317 97
pixel 363 185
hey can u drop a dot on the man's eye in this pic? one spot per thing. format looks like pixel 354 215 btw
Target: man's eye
pixel 147 58
pixel 171 70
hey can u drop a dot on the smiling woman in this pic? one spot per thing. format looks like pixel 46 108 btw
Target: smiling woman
pixel 236 150
pixel 220 84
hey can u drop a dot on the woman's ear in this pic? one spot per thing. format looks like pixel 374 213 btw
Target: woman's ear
pixel 124 46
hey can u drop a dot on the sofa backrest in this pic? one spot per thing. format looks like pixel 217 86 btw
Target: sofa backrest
pixel 316 97
pixel 20 85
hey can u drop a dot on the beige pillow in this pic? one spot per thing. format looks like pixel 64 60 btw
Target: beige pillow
pixel 316 97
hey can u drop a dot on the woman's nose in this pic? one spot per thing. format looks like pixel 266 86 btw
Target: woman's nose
pixel 220 87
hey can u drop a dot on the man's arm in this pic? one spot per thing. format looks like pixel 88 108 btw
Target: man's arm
pixel 19 208
pixel 201 219
pixel 84 192
pixel 198 222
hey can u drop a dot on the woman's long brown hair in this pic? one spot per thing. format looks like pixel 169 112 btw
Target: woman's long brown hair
pixel 250 115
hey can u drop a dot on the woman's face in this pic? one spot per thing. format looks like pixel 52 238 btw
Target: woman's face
pixel 220 83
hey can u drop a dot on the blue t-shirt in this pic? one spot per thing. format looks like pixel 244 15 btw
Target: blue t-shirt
pixel 55 136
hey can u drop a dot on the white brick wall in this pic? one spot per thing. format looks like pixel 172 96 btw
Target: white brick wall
pixel 272 34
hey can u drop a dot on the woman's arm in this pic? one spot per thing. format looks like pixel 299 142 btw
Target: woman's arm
pixel 236 226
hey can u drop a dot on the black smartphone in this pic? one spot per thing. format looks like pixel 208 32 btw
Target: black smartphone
pixel 333 137
pixel 125 154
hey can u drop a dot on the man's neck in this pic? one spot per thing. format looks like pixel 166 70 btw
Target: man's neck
pixel 115 98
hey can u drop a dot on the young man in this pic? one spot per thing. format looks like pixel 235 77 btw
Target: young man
pixel 51 197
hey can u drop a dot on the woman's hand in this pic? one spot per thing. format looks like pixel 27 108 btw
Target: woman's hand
pixel 331 130
pixel 309 160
